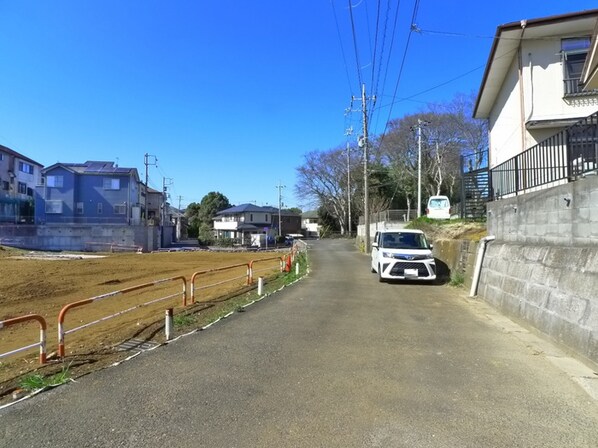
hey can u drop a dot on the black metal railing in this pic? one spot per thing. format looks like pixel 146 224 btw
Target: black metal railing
pixel 563 157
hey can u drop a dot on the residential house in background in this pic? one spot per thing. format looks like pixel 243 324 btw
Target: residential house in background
pixel 532 90
pixel 96 192
pixel 154 200
pixel 310 224
pixel 248 222
pixel 19 176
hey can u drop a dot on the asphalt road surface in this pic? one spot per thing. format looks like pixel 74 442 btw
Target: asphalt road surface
pixel 336 360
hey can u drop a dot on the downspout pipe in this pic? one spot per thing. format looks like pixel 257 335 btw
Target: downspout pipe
pixel 478 264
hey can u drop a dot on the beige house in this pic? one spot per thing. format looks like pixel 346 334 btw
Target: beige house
pixel 19 175
pixel 531 88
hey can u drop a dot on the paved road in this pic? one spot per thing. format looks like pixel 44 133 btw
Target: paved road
pixel 337 360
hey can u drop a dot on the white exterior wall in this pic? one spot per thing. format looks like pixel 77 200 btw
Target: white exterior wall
pixel 543 91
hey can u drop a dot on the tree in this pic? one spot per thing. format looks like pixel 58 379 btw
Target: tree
pixel 322 182
pixel 211 204
pixel 201 216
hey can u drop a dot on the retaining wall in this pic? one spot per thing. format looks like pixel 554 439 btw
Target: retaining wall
pixel 543 266
pixel 77 237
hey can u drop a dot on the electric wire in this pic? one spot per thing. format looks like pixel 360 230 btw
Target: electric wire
pixel 402 66
pixel 355 43
pixel 338 32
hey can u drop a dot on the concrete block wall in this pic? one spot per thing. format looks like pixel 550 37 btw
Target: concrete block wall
pixel 554 288
pixel 78 237
pixel 543 266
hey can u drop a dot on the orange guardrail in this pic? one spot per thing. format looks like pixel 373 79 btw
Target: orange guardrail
pixel 42 335
pixel 252 262
pixel 224 268
pixel 66 308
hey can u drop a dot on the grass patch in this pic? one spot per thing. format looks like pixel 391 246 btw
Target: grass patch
pixel 218 310
pixel 184 320
pixel 457 279
pixel 36 381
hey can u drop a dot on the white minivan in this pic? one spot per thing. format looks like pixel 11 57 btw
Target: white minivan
pixel 439 207
pixel 403 254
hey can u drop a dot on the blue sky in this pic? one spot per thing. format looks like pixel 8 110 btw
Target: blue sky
pixel 228 95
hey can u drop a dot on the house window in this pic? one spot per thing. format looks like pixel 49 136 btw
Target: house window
pixel 574 52
pixel 100 208
pixel 266 217
pixel 54 207
pixel 111 184
pixel 1 157
pixel 251 217
pixel 120 209
pixel 22 188
pixel 55 181
pixel 5 185
pixel 79 208
pixel 26 167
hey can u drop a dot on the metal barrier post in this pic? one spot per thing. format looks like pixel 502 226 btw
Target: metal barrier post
pixel 169 324
pixel 42 335
pixel 66 308
pixel 260 286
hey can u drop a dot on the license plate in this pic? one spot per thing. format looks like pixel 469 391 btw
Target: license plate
pixel 411 273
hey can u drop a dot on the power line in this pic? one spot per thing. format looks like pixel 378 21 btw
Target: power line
pixel 355 43
pixel 338 32
pixel 415 8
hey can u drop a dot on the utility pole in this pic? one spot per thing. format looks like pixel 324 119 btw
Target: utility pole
pixel 280 187
pixel 348 133
pixel 420 123
pixel 147 163
pixel 180 198
pixel 364 143
pixel 166 182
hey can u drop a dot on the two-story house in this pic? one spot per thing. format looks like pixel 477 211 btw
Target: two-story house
pixel 18 177
pixel 94 192
pixel 245 221
pixel 531 88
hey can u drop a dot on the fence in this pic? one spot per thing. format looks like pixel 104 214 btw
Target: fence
pixel 42 335
pixel 404 215
pixel 66 308
pixel 561 158
pixel 249 270
pixel 211 271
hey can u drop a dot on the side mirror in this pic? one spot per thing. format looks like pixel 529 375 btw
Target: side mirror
pixel 431 246
pixel 375 245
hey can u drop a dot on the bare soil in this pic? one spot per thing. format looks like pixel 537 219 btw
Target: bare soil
pixel 44 283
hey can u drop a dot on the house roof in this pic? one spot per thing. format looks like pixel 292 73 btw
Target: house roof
pixel 311 214
pixel 251 208
pixel 18 155
pixel 507 40
pixel 94 168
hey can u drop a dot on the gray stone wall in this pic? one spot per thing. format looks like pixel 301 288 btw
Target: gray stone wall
pixel 543 266
pixel 75 237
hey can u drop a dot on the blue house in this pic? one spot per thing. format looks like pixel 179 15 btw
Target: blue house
pixel 93 192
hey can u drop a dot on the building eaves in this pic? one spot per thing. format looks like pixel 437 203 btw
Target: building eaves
pixel 507 40
pixel 14 153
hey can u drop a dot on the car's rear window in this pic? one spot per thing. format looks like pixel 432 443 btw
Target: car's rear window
pixel 438 203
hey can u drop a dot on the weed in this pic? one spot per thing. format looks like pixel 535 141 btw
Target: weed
pixel 37 381
pixel 457 279
pixel 183 320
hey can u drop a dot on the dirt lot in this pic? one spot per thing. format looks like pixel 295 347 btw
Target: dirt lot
pixel 44 283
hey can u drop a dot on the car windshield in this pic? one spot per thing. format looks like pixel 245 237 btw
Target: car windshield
pixel 400 240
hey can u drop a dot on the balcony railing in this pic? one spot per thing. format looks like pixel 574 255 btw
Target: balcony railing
pixel 563 157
